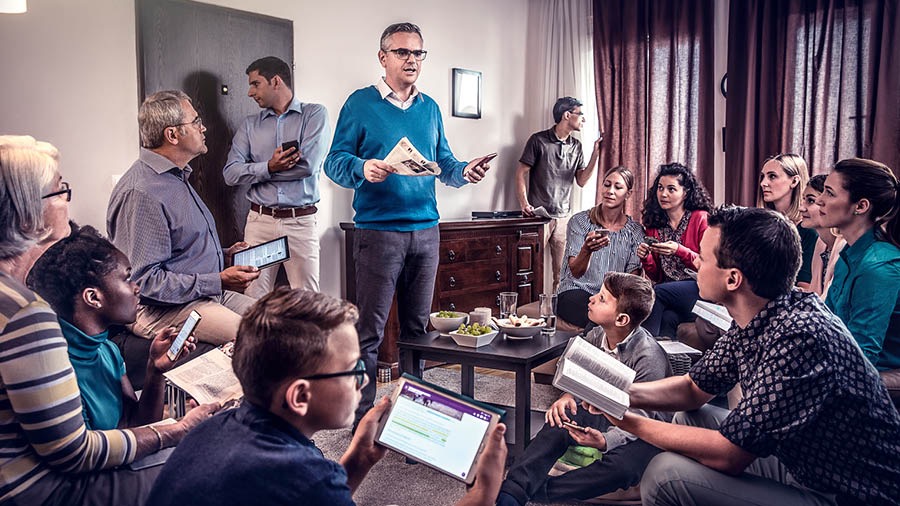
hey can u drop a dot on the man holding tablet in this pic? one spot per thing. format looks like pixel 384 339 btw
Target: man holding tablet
pixel 298 362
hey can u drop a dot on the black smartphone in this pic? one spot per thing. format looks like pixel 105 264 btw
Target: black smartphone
pixel 650 240
pixel 285 146
pixel 487 158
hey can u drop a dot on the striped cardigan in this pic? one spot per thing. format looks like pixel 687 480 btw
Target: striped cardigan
pixel 42 431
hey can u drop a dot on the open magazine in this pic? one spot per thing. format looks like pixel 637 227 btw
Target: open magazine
pixel 592 375
pixel 207 378
pixel 407 160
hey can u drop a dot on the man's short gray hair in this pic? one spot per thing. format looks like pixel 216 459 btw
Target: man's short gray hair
pixel 27 172
pixel 158 112
pixel 399 28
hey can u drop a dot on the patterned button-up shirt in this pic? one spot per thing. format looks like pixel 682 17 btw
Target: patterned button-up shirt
pixel 810 398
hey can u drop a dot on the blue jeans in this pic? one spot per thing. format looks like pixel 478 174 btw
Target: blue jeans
pixel 673 305
pixel 405 262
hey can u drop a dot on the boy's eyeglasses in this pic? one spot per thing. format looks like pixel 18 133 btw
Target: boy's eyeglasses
pixel 359 370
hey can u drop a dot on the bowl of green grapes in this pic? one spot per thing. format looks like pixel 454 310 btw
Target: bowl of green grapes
pixel 473 335
pixel 446 321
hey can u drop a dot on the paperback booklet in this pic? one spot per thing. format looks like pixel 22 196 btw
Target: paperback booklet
pixel 207 378
pixel 594 376
pixel 713 313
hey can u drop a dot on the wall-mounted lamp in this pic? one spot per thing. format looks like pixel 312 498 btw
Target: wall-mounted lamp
pixel 13 6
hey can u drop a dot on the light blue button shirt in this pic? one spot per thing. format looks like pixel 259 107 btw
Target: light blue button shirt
pixel 255 141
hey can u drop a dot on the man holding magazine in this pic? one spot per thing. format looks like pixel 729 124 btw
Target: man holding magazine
pixel 815 425
pixel 620 307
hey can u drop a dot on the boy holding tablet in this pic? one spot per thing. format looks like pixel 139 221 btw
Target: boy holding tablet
pixel 623 303
pixel 298 360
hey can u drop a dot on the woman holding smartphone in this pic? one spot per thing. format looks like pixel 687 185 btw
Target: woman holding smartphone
pixel 782 180
pixel 87 282
pixel 599 240
pixel 675 219
pixel 861 200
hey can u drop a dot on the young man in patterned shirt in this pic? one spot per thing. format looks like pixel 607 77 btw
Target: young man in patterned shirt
pixel 815 425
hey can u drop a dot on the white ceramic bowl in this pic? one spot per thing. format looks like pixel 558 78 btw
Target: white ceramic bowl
pixel 518 332
pixel 473 341
pixel 445 325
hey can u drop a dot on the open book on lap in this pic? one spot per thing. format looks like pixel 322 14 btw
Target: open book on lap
pixel 592 375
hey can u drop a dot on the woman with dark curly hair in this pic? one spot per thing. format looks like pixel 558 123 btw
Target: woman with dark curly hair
pixel 675 219
pixel 87 282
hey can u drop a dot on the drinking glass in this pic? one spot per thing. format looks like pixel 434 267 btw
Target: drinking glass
pixel 548 313
pixel 508 301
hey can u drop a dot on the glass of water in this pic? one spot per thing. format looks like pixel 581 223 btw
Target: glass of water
pixel 548 313
pixel 508 301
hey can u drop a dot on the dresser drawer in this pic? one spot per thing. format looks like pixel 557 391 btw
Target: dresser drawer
pixel 472 276
pixel 470 249
pixel 468 302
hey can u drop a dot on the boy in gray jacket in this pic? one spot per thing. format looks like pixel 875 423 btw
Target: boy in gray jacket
pixel 618 310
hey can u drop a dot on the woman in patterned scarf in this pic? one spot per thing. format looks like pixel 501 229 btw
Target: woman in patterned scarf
pixel 675 219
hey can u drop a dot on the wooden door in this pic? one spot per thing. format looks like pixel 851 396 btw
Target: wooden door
pixel 203 50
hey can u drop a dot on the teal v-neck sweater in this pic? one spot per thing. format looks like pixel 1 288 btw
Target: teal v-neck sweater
pixel 369 127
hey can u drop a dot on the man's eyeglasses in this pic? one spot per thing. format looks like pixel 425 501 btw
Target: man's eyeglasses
pixel 65 190
pixel 359 370
pixel 197 122
pixel 404 53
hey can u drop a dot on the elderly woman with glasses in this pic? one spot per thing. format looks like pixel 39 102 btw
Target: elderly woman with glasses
pixel 49 456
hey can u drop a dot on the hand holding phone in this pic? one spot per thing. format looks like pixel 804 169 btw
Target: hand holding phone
pixel 189 325
pixel 650 241
pixel 286 146
pixel 574 426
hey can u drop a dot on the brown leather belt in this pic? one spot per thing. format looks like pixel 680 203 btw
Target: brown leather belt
pixel 283 212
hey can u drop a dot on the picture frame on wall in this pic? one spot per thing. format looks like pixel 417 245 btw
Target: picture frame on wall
pixel 466 93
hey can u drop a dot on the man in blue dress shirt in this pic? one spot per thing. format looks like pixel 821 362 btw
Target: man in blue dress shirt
pixel 284 183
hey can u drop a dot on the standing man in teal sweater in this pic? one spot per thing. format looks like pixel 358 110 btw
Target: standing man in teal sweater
pixel 397 237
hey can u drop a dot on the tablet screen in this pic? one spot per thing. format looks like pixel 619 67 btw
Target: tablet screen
pixel 264 255
pixel 436 428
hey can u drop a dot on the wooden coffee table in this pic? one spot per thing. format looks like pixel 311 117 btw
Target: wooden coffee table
pixel 518 356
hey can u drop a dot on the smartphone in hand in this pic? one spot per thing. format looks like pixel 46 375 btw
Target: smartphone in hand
pixel 487 158
pixel 189 325
pixel 574 426
pixel 650 241
pixel 285 146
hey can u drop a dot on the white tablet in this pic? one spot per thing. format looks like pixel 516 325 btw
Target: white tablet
pixel 439 428
pixel 265 254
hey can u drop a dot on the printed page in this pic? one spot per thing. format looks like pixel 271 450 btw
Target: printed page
pixel 407 160
pixel 599 363
pixel 583 384
pixel 208 378
pixel 540 212
pixel 713 313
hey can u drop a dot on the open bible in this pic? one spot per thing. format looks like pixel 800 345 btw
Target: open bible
pixel 592 375
pixel 207 378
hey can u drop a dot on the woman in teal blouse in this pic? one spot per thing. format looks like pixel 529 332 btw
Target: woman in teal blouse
pixel 861 201
pixel 88 283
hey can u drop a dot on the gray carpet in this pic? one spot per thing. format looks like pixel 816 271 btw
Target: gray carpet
pixel 393 482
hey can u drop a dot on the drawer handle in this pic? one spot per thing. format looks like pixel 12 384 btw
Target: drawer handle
pixel 498 249
pixel 498 275
pixel 451 255
pixel 452 281
pixel 452 307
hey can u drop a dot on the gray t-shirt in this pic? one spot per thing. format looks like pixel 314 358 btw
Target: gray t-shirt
pixel 553 164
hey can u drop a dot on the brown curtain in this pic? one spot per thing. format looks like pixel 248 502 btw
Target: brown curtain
pixel 816 78
pixel 653 63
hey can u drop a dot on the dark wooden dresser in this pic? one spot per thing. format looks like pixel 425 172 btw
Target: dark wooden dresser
pixel 478 260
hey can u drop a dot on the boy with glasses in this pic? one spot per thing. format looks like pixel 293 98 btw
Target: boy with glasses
pixel 298 362
pixel 551 160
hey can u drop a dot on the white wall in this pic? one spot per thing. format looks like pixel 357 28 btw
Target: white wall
pixel 70 78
